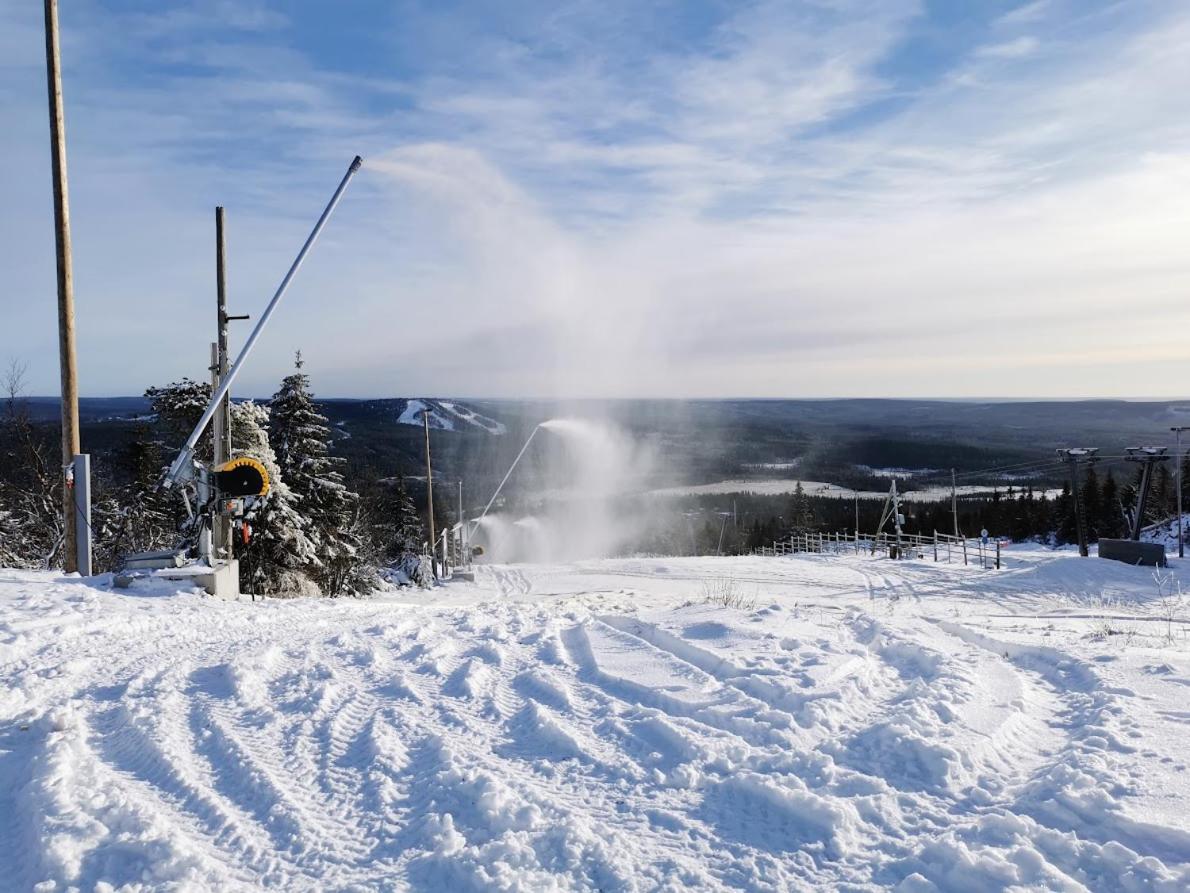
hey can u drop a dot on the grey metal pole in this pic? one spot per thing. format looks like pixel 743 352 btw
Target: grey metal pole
pixel 181 467
pixel 65 268
pixel 425 415
pixel 1181 544
pixel 221 432
pixel 223 415
pixel 1078 511
pixel 82 514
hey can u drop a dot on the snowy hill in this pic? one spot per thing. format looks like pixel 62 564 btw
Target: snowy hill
pixel 446 416
pixel 811 723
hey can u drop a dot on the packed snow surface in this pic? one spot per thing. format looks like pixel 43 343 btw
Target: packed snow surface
pixel 798 723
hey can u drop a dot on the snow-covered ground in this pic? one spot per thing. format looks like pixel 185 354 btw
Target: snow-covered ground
pixel 844 723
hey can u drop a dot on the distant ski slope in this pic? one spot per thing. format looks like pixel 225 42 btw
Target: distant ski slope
pixel 447 415
pixel 850 723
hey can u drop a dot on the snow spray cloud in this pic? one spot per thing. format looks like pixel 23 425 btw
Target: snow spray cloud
pixel 537 299
pixel 570 309
pixel 588 475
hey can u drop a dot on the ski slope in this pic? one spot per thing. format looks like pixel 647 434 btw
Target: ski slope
pixel 846 723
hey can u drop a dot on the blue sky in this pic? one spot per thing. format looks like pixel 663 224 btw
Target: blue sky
pixel 819 198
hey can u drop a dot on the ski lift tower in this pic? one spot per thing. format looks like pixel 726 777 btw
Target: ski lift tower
pixel 891 511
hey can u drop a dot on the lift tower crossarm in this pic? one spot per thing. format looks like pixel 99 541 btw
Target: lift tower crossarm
pixel 183 468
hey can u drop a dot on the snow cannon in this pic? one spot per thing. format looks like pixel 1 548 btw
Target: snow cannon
pixel 235 488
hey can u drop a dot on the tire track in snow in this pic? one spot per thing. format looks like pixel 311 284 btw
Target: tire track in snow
pixel 1076 793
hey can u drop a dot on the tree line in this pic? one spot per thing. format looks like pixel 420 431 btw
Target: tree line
pixel 1019 514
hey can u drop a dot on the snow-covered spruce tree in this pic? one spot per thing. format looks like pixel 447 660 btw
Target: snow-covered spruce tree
pixel 301 438
pixel 801 513
pixel 398 533
pixel 178 406
pixel 277 557
pixel 146 518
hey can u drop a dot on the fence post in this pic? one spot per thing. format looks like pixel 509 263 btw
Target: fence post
pixel 997 555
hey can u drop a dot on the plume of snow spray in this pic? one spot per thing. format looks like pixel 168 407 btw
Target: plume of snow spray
pixel 589 471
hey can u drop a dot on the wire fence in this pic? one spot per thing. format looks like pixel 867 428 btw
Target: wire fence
pixel 939 547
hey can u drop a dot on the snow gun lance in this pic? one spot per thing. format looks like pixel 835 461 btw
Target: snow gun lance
pixel 184 468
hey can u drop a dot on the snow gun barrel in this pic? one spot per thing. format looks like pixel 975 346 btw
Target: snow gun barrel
pixel 506 477
pixel 182 469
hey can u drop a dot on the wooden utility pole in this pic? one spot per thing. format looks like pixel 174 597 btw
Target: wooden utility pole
pixel 954 502
pixel 954 510
pixel 66 353
pixel 221 532
pixel 425 415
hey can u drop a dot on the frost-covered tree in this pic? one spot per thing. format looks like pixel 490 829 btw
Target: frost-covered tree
pixel 177 407
pixel 301 436
pixel 144 518
pixel 1111 521
pixel 277 557
pixel 31 532
pixel 398 531
pixel 1092 496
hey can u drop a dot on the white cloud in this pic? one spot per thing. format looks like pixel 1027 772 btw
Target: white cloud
pixel 1011 49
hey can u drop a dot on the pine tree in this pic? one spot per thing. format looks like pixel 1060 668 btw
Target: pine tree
pixel 1092 504
pixel 1184 482
pixel 1064 512
pixel 31 533
pixel 278 553
pixel 1111 521
pixel 801 512
pixel 148 517
pixel 398 531
pixel 1161 499
pixel 301 437
pixel 178 406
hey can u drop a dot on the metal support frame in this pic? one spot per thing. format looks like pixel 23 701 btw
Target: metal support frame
pixel 1149 457
pixel 1076 456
